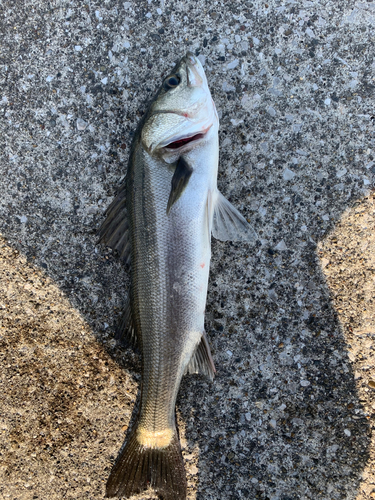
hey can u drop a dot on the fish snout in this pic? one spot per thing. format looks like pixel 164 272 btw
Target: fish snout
pixel 194 71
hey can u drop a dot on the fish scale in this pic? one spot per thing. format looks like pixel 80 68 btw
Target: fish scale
pixel 147 278
pixel 165 312
pixel 161 221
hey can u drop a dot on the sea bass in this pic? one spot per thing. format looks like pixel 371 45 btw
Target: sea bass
pixel 161 223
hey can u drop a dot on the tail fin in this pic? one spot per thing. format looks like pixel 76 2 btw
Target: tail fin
pixel 139 467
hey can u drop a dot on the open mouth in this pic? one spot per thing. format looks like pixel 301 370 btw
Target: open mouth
pixel 182 142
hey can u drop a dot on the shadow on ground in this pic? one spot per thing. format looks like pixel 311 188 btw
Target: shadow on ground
pixel 284 418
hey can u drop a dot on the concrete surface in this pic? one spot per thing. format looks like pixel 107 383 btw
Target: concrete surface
pixel 291 412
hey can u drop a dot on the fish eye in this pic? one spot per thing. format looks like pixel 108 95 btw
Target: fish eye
pixel 171 82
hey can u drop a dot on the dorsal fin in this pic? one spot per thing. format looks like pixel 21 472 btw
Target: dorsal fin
pixel 114 232
pixel 125 331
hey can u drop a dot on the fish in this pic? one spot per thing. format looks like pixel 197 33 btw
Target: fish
pixel 160 224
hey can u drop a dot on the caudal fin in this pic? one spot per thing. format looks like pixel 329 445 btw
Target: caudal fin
pixel 140 467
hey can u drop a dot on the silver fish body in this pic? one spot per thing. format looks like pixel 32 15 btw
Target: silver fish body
pixel 162 220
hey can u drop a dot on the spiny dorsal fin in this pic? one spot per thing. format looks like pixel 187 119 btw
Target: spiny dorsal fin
pixel 125 331
pixel 114 232
pixel 201 361
pixel 228 223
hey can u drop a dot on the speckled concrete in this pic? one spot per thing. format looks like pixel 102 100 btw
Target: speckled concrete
pixel 291 412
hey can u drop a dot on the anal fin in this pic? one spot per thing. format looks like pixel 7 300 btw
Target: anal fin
pixel 202 361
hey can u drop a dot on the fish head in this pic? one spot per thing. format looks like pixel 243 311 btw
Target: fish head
pixel 182 113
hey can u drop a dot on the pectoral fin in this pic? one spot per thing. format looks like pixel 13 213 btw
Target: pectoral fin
pixel 228 223
pixel 180 180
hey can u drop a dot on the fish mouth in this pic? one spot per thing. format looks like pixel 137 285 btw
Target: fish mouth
pixel 182 142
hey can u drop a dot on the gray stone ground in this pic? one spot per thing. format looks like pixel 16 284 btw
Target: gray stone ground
pixel 291 412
